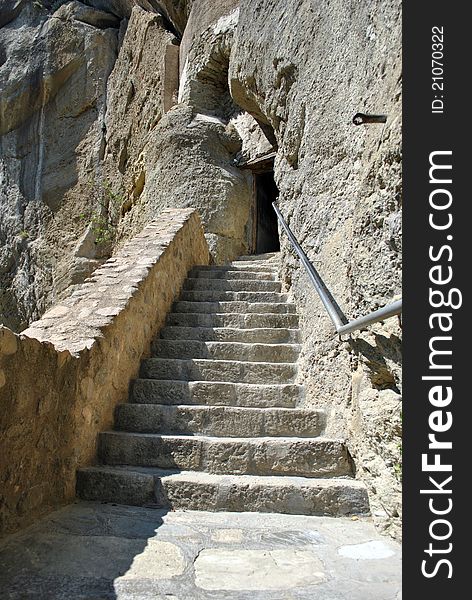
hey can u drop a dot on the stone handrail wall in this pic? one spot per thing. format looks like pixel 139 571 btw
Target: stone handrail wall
pixel 61 379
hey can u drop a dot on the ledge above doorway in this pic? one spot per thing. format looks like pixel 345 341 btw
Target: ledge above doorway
pixel 261 164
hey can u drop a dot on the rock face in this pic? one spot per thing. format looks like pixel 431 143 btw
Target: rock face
pixel 52 106
pixel 191 165
pixel 190 155
pixel 142 87
pixel 127 107
pixel 86 162
pixel 306 69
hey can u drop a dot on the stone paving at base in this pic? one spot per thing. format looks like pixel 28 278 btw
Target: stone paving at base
pixel 93 551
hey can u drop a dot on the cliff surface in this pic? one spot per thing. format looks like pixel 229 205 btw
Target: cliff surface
pixel 112 110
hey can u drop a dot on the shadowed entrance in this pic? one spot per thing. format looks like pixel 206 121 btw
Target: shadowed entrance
pixel 266 229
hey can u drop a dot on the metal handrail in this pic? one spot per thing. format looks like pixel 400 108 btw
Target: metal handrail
pixel 339 319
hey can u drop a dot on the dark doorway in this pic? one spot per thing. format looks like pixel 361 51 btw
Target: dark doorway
pixel 266 234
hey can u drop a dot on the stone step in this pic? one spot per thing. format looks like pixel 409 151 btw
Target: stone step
pixel 219 421
pixel 231 285
pixel 228 334
pixel 191 349
pixel 306 457
pixel 227 274
pixel 232 493
pixel 257 260
pixel 218 370
pixel 235 307
pixel 219 296
pixel 257 265
pixel 233 320
pixel 267 256
pixel 248 267
pixel 153 391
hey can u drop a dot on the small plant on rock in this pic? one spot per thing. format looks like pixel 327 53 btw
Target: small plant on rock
pixel 104 219
pixel 114 201
pixel 103 231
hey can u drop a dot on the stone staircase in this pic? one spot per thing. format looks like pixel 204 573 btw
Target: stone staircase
pixel 212 423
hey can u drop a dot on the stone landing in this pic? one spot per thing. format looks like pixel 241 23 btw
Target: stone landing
pixel 93 551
